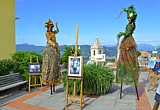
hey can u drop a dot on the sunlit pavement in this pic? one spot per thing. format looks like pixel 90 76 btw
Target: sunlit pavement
pixel 42 99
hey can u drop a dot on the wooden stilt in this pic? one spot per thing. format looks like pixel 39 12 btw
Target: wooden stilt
pixel 121 91
pixel 137 93
pixel 54 90
pixel 51 89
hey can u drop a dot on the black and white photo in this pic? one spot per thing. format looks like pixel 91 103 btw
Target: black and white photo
pixel 34 68
pixel 75 66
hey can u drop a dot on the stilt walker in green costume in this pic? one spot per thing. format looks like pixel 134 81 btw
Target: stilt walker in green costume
pixel 127 65
pixel 51 57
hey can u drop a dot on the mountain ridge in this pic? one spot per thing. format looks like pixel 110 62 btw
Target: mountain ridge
pixel 85 49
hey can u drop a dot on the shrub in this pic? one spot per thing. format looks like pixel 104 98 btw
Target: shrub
pixel 97 80
pixel 68 52
pixel 8 65
pixel 23 59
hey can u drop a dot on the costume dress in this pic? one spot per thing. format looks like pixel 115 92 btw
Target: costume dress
pixel 127 66
pixel 51 60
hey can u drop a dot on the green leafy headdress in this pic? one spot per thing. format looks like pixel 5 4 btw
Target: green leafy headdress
pixel 131 13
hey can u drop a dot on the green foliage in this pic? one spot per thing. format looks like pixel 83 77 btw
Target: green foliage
pixel 22 58
pixel 138 53
pixel 6 66
pixel 67 53
pixel 97 80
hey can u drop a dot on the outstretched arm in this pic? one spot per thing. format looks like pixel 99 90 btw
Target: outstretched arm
pixel 57 29
pixel 129 30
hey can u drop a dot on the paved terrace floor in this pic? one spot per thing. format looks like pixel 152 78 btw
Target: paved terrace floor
pixel 41 99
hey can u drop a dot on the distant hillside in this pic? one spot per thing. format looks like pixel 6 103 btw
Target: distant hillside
pixel 146 47
pixel 85 49
pixel 27 47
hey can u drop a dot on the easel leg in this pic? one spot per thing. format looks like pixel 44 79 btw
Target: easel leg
pixel 51 89
pixel 67 94
pixel 121 92
pixel 137 93
pixel 29 83
pixel 156 106
pixel 81 94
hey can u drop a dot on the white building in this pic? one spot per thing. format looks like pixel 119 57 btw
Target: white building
pixel 96 49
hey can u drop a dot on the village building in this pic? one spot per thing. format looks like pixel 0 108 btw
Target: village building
pixel 143 59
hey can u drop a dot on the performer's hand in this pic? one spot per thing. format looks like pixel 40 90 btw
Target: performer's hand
pixel 120 34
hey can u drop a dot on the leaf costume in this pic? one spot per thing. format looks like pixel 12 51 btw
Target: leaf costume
pixel 127 65
pixel 51 56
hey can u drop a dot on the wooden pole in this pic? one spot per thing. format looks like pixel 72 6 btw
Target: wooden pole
pixel 76 46
pixel 30 59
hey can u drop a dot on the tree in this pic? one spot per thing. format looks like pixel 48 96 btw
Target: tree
pixel 138 53
pixel 69 51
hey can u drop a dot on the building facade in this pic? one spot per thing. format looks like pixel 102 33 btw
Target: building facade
pixel 7 28
pixel 143 59
pixel 96 48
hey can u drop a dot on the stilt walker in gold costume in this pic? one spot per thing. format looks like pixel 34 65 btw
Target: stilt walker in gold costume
pixel 51 57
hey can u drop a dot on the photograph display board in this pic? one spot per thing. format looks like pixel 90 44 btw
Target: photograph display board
pixel 152 63
pixel 100 57
pixel 75 66
pixel 34 68
pixel 156 68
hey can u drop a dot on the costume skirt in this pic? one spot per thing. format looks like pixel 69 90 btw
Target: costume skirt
pixel 51 64
pixel 127 65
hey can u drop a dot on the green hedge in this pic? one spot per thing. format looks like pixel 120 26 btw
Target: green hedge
pixel 19 63
pixel 8 65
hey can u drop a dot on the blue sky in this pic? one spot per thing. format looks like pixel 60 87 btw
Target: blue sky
pixel 94 17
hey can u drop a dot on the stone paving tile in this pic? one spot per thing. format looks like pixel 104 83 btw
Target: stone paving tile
pixel 43 100
pixel 19 105
pixel 7 108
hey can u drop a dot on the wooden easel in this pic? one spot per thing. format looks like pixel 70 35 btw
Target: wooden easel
pixel 153 81
pixel 149 71
pixel 74 97
pixel 33 76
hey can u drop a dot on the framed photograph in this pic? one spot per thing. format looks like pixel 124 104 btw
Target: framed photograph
pixel 156 68
pixel 75 66
pixel 34 68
